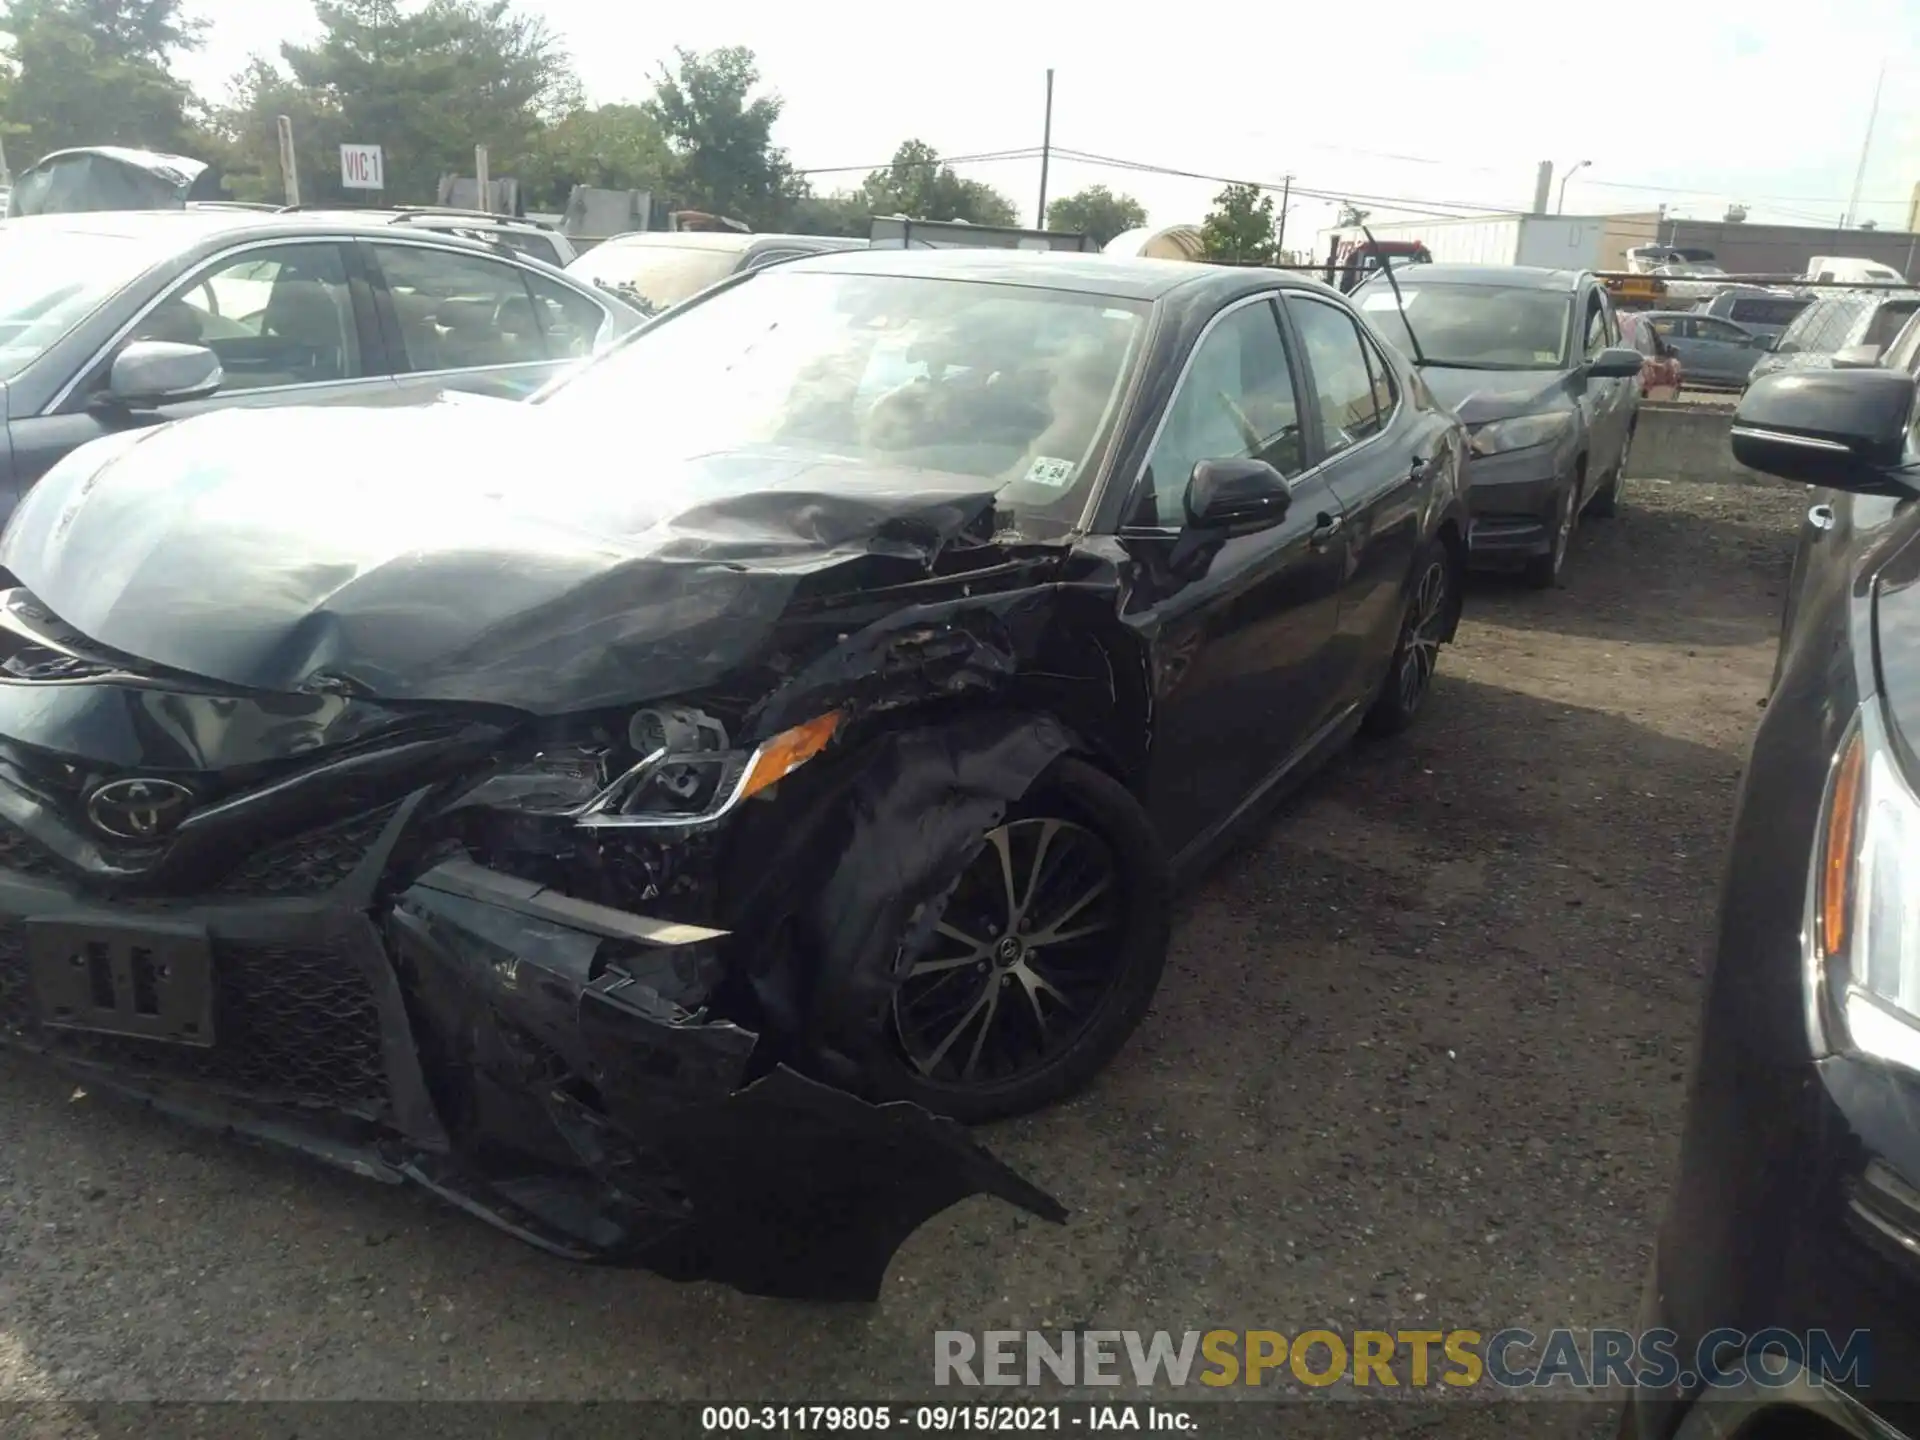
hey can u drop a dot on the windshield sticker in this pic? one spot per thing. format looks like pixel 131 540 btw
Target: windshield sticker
pixel 1052 473
pixel 1385 300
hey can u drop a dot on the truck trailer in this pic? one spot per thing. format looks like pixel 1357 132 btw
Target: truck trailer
pixel 1561 242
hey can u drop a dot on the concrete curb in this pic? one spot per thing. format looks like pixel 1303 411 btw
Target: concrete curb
pixel 1688 441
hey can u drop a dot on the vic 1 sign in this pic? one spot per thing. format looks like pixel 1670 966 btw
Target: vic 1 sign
pixel 361 167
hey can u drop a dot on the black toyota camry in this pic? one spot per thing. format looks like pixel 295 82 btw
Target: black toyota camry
pixel 653 815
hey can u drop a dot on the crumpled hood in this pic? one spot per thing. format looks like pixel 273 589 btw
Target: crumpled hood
pixel 460 552
pixel 1478 396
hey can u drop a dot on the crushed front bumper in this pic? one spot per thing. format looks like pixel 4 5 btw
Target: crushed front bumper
pixel 540 1061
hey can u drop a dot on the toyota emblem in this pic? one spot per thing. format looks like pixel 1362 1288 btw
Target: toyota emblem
pixel 138 809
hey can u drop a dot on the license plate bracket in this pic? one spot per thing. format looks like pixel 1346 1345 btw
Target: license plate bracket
pixel 152 981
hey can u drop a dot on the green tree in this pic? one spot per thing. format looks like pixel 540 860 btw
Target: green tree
pixel 610 147
pixel 844 212
pixel 721 136
pixel 1096 211
pixel 1239 229
pixel 425 84
pixel 95 72
pixel 917 185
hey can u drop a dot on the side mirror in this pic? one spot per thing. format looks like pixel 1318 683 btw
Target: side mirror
pixel 1236 496
pixel 1842 429
pixel 150 373
pixel 1857 357
pixel 1616 362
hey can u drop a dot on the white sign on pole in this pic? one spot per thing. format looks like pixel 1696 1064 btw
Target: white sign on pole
pixel 361 167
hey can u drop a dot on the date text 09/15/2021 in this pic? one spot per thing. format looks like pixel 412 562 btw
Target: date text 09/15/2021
pixel 942 1419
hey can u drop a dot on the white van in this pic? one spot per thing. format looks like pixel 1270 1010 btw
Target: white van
pixel 1852 270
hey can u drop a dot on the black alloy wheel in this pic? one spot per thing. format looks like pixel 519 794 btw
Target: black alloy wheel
pixel 1045 958
pixel 1417 653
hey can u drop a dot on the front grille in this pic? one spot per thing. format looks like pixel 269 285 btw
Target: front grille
pixel 293 1025
pixel 310 863
pixel 305 864
pixel 26 856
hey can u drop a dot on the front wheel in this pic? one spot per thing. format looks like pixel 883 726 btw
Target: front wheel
pixel 1046 957
pixel 1543 571
pixel 1416 655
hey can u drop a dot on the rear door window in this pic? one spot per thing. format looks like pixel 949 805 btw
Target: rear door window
pixel 1887 322
pixel 1344 379
pixel 460 312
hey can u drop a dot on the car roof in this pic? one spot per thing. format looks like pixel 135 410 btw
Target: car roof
pixel 1121 276
pixel 184 229
pixel 1512 277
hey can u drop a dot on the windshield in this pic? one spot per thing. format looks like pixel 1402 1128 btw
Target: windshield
pixel 1013 384
pixel 1473 327
pixel 51 279
pixel 655 277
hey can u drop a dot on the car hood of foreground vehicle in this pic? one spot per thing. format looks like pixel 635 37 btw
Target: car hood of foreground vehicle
pixel 491 554
pixel 1478 396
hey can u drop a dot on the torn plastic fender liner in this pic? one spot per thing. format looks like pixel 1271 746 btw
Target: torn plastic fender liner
pixel 783 1186
pixel 920 810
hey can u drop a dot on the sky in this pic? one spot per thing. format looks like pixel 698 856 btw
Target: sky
pixel 1444 108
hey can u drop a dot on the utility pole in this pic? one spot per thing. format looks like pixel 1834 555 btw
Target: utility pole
pixel 483 179
pixel 1280 231
pixel 1866 144
pixel 289 167
pixel 1562 205
pixel 1046 153
pixel 1542 186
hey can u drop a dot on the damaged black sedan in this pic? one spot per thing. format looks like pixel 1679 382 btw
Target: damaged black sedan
pixel 655 815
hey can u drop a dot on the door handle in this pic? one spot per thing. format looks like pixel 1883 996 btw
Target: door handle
pixel 1821 517
pixel 1326 527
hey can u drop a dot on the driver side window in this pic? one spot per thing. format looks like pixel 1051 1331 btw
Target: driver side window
pixel 276 316
pixel 1236 401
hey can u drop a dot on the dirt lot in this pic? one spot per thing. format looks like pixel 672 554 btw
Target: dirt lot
pixel 1418 1060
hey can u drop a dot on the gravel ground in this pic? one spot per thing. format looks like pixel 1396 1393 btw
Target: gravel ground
pixel 1418 1061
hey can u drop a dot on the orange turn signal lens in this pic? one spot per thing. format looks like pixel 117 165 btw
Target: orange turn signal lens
pixel 1838 846
pixel 787 752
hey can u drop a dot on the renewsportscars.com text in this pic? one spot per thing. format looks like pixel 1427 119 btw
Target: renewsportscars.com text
pixel 1510 1359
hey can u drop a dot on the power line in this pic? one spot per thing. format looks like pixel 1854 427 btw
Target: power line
pixel 1433 209
pixel 1030 152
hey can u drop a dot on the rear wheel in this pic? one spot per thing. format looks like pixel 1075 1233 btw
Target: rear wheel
pixel 1046 957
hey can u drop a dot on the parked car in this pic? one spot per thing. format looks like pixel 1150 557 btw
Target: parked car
pixel 1531 360
pixel 1660 370
pixel 1764 312
pixel 1843 329
pixel 90 178
pixel 1713 352
pixel 531 238
pixel 1796 1207
pixel 593 831
pixel 119 320
pixel 657 269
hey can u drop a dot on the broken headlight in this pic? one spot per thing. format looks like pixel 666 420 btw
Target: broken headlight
pixel 687 772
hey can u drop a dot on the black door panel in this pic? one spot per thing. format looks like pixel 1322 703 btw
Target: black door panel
pixel 1239 625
